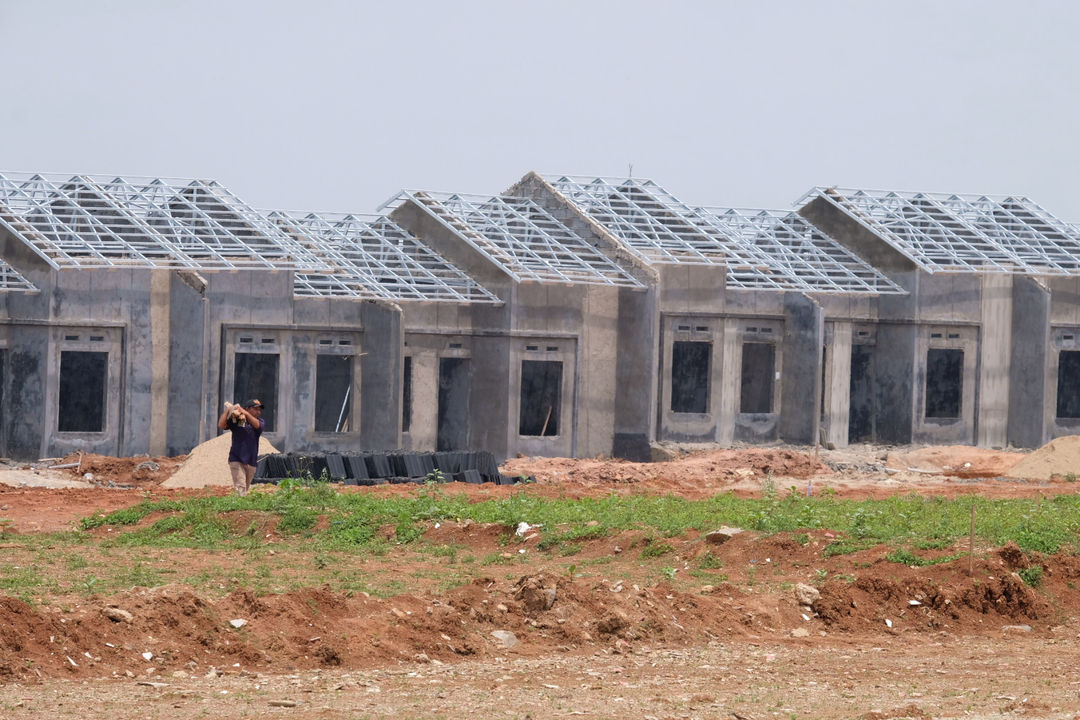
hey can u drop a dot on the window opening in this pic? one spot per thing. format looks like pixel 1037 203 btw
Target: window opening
pixel 406 395
pixel 83 378
pixel 256 376
pixel 756 387
pixel 1068 385
pixel 541 395
pixel 944 382
pixel 333 393
pixel 690 376
pixel 3 410
pixel 861 402
pixel 453 416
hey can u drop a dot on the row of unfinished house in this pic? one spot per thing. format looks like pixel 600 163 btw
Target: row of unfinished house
pixel 566 316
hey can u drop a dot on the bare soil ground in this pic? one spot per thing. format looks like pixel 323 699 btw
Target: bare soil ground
pixel 738 641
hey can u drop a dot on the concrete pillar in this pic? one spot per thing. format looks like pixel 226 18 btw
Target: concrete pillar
pixel 995 352
pixel 1029 365
pixel 838 385
pixel 800 382
pixel 160 334
pixel 728 375
pixel 636 383
pixel 894 402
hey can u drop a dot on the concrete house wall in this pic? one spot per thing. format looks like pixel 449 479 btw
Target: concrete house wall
pixel 967 313
pixel 169 341
pixel 580 326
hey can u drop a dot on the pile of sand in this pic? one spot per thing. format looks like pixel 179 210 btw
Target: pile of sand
pixel 1060 456
pixel 208 464
pixel 956 460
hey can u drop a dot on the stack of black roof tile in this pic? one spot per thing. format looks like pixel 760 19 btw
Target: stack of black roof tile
pixel 376 468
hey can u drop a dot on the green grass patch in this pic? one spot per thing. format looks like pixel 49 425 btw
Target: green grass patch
pixel 1043 525
pixel 906 557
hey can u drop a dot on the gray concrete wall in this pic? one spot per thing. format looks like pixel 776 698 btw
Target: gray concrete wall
pixel 22 427
pixel 636 364
pixel 959 430
pixel 995 357
pixel 260 305
pixel 105 310
pixel 1031 396
pixel 801 379
pixel 616 411
pixel 837 387
pixel 686 426
pixel 894 360
pixel 188 343
pixel 585 324
pixel 754 427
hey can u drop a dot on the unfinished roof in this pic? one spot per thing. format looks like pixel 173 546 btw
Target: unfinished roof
pixel 644 216
pixel 760 250
pixel 374 257
pixel 780 250
pixel 12 281
pixel 521 238
pixel 963 233
pixel 84 221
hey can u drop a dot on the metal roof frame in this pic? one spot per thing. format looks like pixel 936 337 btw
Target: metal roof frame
pixel 11 280
pixel 942 232
pixel 648 219
pixel 799 256
pixel 375 257
pixel 759 249
pixel 83 221
pixel 520 237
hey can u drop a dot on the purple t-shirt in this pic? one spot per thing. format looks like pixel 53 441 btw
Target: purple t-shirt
pixel 245 443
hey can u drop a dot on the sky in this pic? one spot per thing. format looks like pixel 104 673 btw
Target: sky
pixel 336 106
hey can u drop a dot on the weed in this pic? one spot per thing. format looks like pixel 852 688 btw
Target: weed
pixel 710 561
pixel 1031 576
pixel 768 486
pixel 656 549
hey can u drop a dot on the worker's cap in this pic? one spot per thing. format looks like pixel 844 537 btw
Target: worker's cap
pixel 253 404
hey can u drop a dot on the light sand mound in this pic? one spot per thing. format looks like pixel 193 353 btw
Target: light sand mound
pixel 1060 456
pixel 956 460
pixel 208 464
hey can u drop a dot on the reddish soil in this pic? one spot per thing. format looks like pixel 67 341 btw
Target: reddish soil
pixel 726 636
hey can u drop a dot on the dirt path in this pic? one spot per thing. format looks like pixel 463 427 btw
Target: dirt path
pixel 943 677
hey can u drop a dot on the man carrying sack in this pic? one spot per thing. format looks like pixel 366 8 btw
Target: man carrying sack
pixel 246 424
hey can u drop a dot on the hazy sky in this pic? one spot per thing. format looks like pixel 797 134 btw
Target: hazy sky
pixel 337 105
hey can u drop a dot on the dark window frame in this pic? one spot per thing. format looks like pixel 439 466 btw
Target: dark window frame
pixel 691 367
pixel 88 389
pixel 330 418
pixel 947 404
pixel 756 397
pixel 542 378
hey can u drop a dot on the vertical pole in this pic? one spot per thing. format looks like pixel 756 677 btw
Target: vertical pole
pixel 971 543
